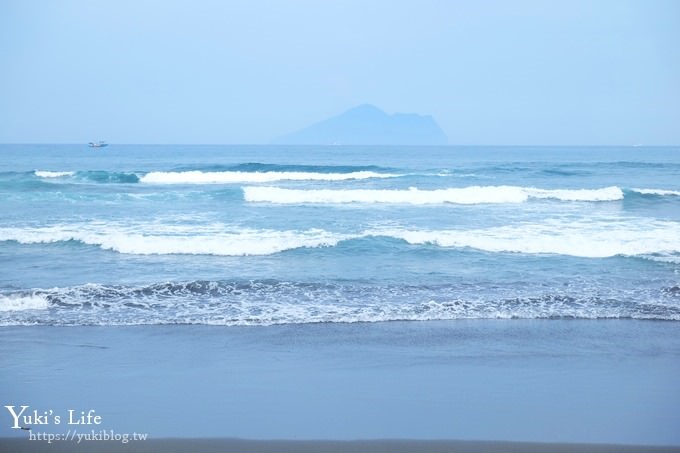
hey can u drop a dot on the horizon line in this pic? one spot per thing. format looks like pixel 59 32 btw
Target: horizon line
pixel 85 144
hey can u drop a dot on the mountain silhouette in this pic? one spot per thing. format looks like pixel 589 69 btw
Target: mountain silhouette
pixel 368 125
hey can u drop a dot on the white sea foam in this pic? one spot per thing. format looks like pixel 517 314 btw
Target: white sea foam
pixel 53 174
pixel 23 302
pixel 591 239
pixel 153 239
pixel 673 258
pixel 595 238
pixel 465 195
pixel 468 195
pixel 227 177
pixel 661 192
pixel 612 193
pixel 281 302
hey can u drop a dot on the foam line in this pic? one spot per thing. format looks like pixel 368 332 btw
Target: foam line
pixel 227 177
pixel 53 174
pixel 466 195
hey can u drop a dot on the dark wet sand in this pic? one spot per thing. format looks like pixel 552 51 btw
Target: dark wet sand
pixel 318 446
pixel 559 381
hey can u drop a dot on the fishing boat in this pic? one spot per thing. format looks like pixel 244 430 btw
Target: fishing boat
pixel 99 144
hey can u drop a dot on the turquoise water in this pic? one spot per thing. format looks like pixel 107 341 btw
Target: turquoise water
pixel 260 235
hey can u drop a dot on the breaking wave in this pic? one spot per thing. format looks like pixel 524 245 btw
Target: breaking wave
pixel 53 174
pixel 600 239
pixel 653 239
pixel 261 173
pixel 216 239
pixel 465 195
pixel 92 176
pixel 269 302
pixel 658 192
pixel 210 177
pixel 229 177
pixel 22 301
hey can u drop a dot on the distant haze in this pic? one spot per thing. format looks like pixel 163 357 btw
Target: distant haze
pixel 503 72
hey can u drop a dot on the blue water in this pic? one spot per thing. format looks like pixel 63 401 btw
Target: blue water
pixel 262 235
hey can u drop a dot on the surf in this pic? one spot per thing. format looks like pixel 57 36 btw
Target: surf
pixel 231 177
pixel 466 195
pixel 276 302
pixel 602 237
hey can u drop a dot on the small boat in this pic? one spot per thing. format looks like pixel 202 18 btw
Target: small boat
pixel 99 144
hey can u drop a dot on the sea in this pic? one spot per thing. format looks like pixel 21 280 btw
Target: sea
pixel 363 252
pixel 263 235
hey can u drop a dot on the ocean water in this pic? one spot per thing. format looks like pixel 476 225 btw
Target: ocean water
pixel 264 235
pixel 264 292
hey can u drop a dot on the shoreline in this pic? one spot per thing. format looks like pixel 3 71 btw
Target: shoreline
pixel 210 445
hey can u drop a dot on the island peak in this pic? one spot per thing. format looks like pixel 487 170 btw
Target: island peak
pixel 367 124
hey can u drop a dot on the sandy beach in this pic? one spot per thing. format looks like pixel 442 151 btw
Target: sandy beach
pixel 373 446
pixel 573 382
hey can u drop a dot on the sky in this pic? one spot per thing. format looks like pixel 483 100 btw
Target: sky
pixel 491 72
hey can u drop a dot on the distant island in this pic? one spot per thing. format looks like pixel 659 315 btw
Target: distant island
pixel 368 125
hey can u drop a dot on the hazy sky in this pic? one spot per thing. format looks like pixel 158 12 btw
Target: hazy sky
pixel 203 71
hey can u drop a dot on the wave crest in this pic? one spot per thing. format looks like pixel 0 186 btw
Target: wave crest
pixel 53 174
pixel 652 239
pixel 230 177
pixel 465 195
pixel 598 239
pixel 659 192
pixel 215 239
